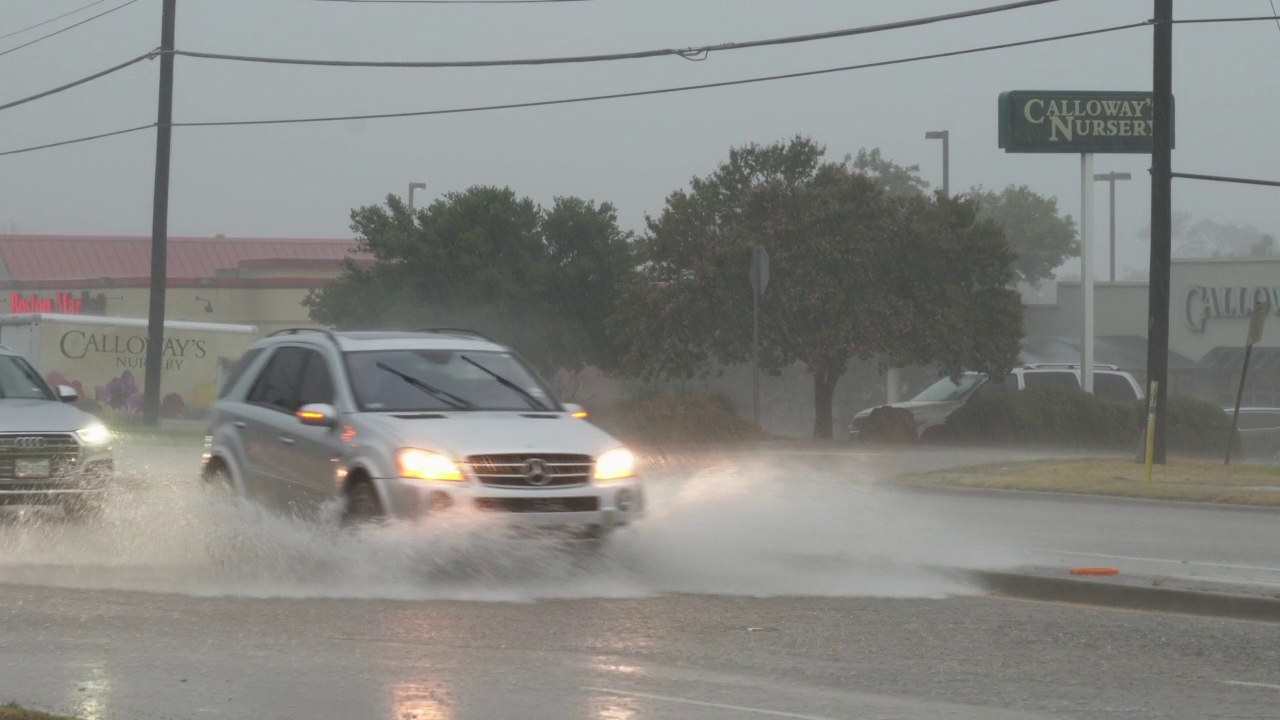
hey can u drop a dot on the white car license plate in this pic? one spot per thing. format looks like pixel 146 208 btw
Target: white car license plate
pixel 31 468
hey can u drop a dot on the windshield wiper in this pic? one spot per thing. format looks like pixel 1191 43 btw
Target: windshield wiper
pixel 447 398
pixel 534 402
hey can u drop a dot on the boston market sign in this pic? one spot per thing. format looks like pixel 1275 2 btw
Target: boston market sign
pixel 63 303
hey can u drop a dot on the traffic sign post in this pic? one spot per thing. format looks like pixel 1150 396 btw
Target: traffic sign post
pixel 759 281
pixel 1261 310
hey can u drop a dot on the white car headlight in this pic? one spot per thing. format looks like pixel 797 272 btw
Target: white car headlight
pixel 616 465
pixel 426 465
pixel 94 435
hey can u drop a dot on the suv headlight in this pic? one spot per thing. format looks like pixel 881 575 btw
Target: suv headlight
pixel 94 435
pixel 426 465
pixel 616 465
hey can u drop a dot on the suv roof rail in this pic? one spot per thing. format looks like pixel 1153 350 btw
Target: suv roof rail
pixel 455 331
pixel 1097 366
pixel 299 331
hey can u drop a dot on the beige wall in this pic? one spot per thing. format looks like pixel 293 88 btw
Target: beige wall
pixel 1121 308
pixel 268 308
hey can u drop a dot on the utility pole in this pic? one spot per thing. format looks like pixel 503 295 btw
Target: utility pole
pixel 1161 206
pixel 160 222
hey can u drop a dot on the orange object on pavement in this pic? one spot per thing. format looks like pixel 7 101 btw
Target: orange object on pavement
pixel 1094 571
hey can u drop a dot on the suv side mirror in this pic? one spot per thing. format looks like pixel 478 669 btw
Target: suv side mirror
pixel 67 394
pixel 576 410
pixel 317 415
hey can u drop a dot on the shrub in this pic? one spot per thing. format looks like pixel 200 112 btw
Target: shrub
pixel 1066 418
pixel 671 418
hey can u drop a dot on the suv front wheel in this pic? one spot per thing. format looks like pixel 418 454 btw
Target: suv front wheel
pixel 362 504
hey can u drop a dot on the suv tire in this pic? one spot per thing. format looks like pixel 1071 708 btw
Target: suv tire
pixel 362 504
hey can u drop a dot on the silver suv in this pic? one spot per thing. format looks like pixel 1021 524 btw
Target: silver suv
pixel 931 407
pixel 51 453
pixel 407 424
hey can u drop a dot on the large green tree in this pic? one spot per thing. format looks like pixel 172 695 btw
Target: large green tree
pixel 542 279
pixel 857 272
pixel 1041 237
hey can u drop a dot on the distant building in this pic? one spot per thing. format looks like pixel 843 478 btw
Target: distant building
pixel 1210 302
pixel 255 281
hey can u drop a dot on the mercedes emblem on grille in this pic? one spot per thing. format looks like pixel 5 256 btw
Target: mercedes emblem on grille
pixel 535 472
pixel 29 443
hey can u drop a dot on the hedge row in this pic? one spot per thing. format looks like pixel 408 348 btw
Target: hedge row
pixel 676 418
pixel 1066 418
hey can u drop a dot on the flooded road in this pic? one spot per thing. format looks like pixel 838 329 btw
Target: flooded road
pixel 770 584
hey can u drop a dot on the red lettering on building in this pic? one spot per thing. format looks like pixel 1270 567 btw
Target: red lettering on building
pixel 61 303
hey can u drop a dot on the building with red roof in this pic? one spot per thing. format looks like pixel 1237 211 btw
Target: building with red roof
pixel 256 281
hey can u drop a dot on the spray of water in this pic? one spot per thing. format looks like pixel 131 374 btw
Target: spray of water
pixel 748 525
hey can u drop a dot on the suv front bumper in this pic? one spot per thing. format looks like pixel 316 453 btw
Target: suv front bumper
pixel 62 472
pixel 597 506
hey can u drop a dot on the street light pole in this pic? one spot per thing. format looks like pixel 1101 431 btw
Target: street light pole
pixel 412 187
pixel 894 377
pixel 1111 179
pixel 945 137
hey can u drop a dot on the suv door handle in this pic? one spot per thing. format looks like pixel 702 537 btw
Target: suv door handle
pixel 287 440
pixel 241 424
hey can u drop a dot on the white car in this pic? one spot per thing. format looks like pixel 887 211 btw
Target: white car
pixel 51 453
pixel 408 424
pixel 934 405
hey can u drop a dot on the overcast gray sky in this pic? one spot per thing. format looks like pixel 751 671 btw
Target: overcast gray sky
pixel 304 180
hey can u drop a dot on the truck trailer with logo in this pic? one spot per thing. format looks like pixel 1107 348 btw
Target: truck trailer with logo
pixel 104 359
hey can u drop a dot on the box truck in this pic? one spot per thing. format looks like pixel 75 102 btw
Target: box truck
pixel 104 359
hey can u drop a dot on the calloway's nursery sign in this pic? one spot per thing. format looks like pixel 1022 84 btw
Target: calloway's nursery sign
pixel 1202 304
pixel 1070 121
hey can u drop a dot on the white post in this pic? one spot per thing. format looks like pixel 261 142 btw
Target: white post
pixel 1086 269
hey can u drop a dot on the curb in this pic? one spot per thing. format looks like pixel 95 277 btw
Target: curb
pixel 1064 496
pixel 1127 593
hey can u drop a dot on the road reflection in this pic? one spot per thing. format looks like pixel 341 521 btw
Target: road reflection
pixel 91 696
pixel 419 701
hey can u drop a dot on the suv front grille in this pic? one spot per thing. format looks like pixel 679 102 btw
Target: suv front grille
pixel 513 470
pixel 60 449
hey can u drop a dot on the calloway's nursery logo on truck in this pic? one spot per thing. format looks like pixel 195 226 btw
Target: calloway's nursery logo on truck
pixel 129 351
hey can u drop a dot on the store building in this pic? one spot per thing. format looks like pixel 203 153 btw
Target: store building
pixel 1211 301
pixel 251 281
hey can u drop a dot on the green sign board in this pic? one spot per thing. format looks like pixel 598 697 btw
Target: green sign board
pixel 1069 121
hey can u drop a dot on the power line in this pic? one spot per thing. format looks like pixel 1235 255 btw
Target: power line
pixel 613 96
pixel 69 27
pixel 662 91
pixel 78 140
pixel 1227 179
pixel 688 53
pixel 1273 12
pixel 81 81
pixel 46 22
pixel 449 2
pixel 1253 18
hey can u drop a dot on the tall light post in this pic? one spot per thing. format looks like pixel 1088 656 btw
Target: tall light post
pixel 945 137
pixel 894 376
pixel 1111 178
pixel 412 187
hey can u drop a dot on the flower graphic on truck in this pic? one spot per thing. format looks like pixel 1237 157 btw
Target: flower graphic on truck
pixel 123 396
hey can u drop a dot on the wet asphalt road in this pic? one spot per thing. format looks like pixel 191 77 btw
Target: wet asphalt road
pixel 130 656
pixel 706 625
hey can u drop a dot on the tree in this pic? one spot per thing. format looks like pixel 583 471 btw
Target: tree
pixel 856 272
pixel 894 179
pixel 1041 238
pixel 490 260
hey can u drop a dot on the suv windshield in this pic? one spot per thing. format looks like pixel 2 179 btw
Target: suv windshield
pixel 944 389
pixel 20 381
pixel 439 380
